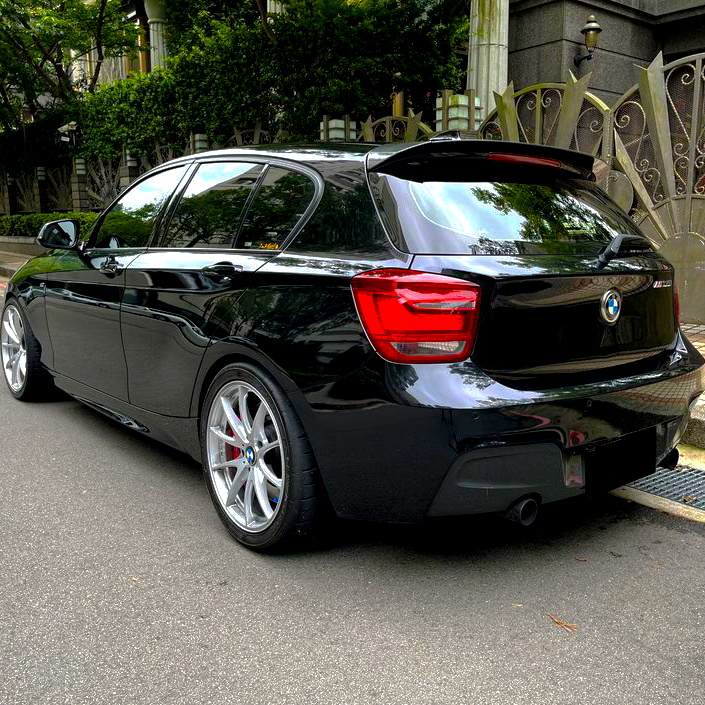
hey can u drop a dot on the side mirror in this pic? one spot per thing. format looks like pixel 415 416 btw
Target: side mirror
pixel 59 235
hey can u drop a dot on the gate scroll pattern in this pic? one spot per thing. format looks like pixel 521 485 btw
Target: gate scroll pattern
pixel 652 142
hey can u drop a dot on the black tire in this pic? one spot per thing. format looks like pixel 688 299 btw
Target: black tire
pixel 37 384
pixel 301 502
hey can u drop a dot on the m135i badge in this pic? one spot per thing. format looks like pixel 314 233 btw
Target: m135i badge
pixel 662 283
pixel 611 306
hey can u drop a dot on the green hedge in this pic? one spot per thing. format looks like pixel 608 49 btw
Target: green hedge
pixel 29 225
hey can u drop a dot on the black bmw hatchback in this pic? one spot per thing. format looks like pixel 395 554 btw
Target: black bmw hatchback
pixel 397 332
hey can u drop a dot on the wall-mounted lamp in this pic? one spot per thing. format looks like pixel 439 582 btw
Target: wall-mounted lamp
pixel 591 32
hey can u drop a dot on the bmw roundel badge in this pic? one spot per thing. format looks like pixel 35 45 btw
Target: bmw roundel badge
pixel 611 306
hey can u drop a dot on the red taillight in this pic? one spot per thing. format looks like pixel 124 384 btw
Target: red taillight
pixel 677 303
pixel 524 159
pixel 416 316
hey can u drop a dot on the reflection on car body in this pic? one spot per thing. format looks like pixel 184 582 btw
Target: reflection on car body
pixel 396 332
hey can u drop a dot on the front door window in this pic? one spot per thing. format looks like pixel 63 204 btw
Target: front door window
pixel 130 221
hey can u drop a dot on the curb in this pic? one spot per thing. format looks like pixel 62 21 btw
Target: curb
pixel 6 271
pixel 664 505
pixel 695 432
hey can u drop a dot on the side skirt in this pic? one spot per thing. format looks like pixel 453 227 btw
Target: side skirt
pixel 176 432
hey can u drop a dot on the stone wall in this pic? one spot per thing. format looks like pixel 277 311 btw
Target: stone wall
pixel 544 37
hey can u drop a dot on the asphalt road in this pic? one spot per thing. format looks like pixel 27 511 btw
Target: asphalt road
pixel 118 584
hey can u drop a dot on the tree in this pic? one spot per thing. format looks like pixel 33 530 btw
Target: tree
pixel 339 57
pixel 40 42
pixel 237 64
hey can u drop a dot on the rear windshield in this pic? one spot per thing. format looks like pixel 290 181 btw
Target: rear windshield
pixel 476 217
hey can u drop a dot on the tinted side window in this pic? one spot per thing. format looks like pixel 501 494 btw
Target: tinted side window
pixel 345 219
pixel 209 211
pixel 130 221
pixel 281 200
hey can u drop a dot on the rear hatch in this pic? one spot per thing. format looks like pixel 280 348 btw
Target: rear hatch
pixel 557 260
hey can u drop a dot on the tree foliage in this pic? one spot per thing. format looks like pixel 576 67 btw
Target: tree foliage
pixel 229 66
pixel 335 57
pixel 40 42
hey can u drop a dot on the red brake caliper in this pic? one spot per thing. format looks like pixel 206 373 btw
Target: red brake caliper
pixel 231 452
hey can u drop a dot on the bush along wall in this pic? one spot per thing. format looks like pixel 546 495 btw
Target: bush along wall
pixel 30 224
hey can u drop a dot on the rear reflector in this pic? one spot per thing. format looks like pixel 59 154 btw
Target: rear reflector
pixel 417 316
pixel 677 304
pixel 524 159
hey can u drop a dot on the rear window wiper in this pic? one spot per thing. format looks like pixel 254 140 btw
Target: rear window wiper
pixel 623 244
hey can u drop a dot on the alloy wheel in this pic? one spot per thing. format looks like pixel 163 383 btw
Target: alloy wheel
pixel 245 456
pixel 14 350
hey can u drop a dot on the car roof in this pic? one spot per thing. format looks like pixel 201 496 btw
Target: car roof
pixel 338 151
pixel 384 156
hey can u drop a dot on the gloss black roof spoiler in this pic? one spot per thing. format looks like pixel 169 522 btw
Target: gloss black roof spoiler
pixel 416 160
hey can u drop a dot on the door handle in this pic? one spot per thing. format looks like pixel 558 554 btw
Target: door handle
pixel 221 270
pixel 110 265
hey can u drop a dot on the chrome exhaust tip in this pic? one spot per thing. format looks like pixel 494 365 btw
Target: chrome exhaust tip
pixel 670 460
pixel 523 511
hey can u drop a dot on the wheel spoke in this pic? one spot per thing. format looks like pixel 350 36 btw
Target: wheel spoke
pixel 268 446
pixel 228 464
pixel 11 332
pixel 234 422
pixel 17 325
pixel 15 377
pixel 11 360
pixel 247 501
pixel 22 364
pixel 242 408
pixel 261 492
pixel 230 440
pixel 258 424
pixel 271 477
pixel 239 480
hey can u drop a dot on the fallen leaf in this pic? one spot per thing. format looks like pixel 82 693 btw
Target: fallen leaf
pixel 582 560
pixel 570 628
pixel 689 498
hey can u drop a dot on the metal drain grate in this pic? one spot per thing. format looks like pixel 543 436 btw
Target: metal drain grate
pixel 683 485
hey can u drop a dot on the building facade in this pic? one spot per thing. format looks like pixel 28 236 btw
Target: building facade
pixel 544 38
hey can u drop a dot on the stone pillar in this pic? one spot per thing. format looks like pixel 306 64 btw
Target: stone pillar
pixel 79 186
pixel 11 195
pixel 199 142
pixel 41 197
pixel 338 130
pixel 4 195
pixel 156 14
pixel 398 104
pixel 452 111
pixel 129 170
pixel 488 50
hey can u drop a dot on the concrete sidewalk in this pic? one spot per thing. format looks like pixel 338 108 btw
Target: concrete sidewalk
pixel 10 262
pixel 695 433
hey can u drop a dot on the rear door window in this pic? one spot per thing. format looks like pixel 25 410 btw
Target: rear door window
pixel 209 211
pixel 476 217
pixel 282 198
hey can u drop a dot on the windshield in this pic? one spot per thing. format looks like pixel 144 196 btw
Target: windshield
pixel 475 217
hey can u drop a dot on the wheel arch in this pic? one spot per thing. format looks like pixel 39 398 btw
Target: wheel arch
pixel 223 353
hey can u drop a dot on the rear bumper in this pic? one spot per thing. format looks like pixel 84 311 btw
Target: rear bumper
pixel 403 455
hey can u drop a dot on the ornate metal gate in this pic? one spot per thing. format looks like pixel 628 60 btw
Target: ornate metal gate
pixel 653 143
